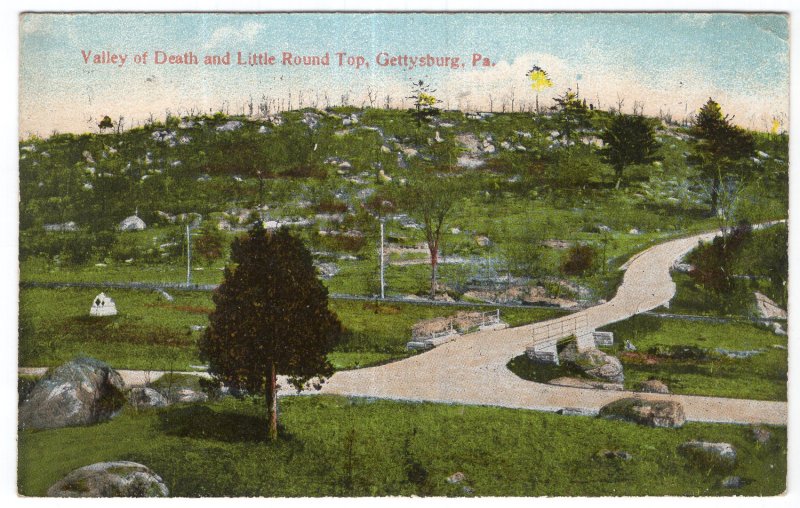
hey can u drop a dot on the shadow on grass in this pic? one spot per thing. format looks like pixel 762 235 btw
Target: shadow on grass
pixel 202 422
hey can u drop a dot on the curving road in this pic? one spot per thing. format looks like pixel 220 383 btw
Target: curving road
pixel 472 369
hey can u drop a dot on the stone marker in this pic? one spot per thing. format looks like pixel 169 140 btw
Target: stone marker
pixel 103 306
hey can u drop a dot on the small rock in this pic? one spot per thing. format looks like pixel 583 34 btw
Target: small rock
pixel 146 397
pixel 634 231
pixel 653 386
pixel 110 479
pixel 467 490
pixel 185 395
pixel 629 346
pixel 457 477
pixel 576 411
pixel 732 482
pixel 483 241
pixel 614 454
pixel 761 435
pixel 706 452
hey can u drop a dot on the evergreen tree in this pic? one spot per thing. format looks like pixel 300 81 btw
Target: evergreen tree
pixel 572 115
pixel 629 140
pixel 271 318
pixel 720 146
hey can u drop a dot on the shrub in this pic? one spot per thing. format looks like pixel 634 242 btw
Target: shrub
pixel 579 259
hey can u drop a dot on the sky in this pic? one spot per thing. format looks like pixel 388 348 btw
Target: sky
pixel 666 62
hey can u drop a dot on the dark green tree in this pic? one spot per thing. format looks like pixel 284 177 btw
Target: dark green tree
pixel 105 123
pixel 629 140
pixel 572 115
pixel 719 148
pixel 271 318
pixel 210 243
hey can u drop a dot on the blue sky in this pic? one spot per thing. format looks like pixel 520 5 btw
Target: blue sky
pixel 668 62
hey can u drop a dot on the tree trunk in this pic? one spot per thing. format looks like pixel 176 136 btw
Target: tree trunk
pixel 715 195
pixel 272 404
pixel 434 263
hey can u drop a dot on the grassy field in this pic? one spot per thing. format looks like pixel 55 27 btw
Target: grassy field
pixel 690 357
pixel 334 446
pixel 151 333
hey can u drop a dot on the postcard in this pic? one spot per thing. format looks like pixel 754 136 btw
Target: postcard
pixel 416 254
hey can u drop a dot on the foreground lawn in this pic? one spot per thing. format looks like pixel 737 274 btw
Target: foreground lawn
pixel 691 357
pixel 150 333
pixel 334 446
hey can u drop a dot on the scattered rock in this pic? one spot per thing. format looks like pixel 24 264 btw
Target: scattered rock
pixel 655 413
pixel 576 411
pixel 132 223
pixel 732 482
pixel 168 297
pixel 229 126
pixel 186 395
pixel 483 241
pixel 110 479
pixel 594 363
pixel 761 435
pixel 653 386
pixel 457 477
pixel 62 227
pixel 614 454
pixel 629 346
pixel 767 308
pixel 146 397
pixel 575 382
pixel 634 231
pixel 80 392
pixel 707 454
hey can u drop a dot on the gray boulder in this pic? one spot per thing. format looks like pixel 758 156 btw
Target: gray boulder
pixel 81 392
pixel 732 482
pixel 110 479
pixel 594 363
pixel 653 386
pixel 146 397
pixel 761 435
pixel 705 454
pixel 186 395
pixel 655 413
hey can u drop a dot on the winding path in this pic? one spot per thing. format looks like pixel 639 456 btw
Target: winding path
pixel 472 369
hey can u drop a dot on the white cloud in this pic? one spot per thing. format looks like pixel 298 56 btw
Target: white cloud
pixel 234 35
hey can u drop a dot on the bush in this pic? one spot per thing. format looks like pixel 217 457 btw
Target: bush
pixel 579 260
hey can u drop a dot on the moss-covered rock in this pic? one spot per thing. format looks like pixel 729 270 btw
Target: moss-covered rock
pixel 655 413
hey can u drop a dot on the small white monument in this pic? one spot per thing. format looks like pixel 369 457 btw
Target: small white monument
pixel 103 306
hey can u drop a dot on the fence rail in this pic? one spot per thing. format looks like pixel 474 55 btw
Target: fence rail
pixel 576 324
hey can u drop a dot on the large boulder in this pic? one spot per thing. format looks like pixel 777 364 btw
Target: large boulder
pixel 80 392
pixel 141 397
pixel 655 413
pixel 594 363
pixel 110 479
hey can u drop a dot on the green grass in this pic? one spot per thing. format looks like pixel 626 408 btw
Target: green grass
pixel 150 333
pixel 701 370
pixel 761 377
pixel 333 446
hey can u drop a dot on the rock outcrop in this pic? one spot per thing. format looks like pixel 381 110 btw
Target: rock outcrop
pixel 81 392
pixel 654 413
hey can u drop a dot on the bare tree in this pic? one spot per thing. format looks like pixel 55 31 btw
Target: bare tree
pixel 372 95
